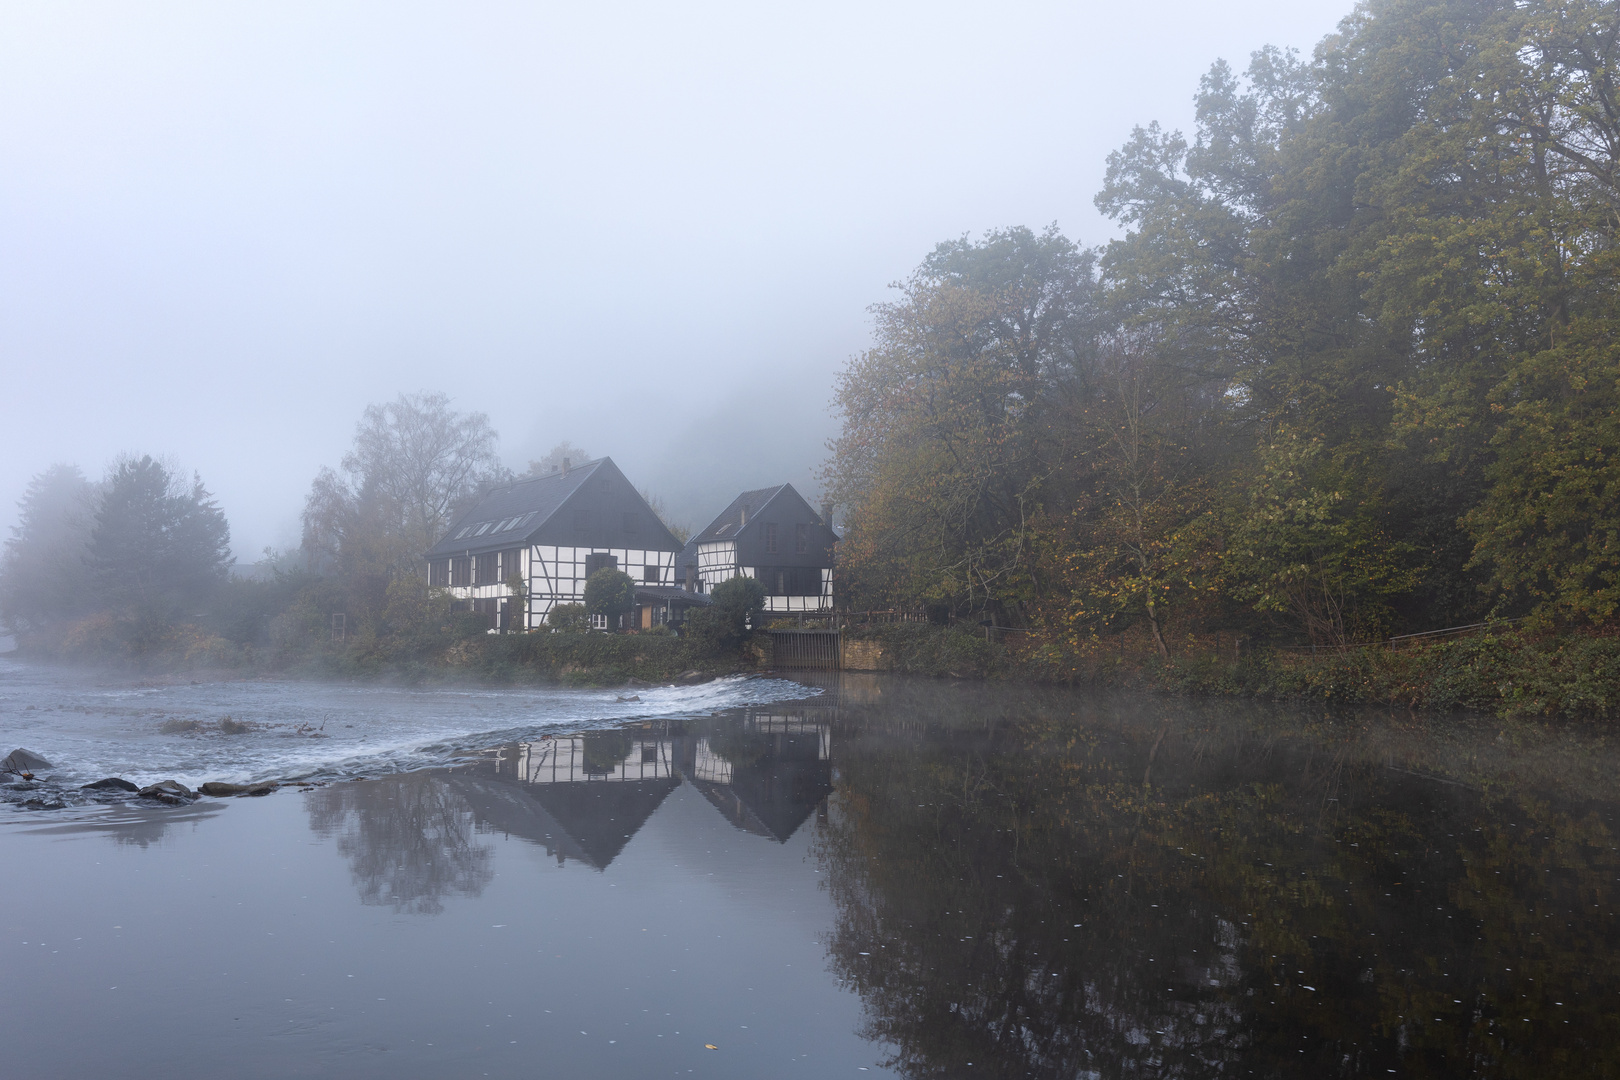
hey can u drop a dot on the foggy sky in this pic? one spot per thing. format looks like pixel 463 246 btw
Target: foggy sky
pixel 650 229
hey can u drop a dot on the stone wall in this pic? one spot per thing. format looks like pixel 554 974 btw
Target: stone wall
pixel 864 656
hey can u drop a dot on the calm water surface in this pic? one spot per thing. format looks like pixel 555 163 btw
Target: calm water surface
pixel 757 878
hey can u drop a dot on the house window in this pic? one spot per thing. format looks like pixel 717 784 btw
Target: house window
pixel 600 560
pixel 801 538
pixel 460 572
pixel 791 580
pixel 486 569
pixel 629 522
pixel 770 536
pixel 649 573
pixel 511 563
pixel 439 573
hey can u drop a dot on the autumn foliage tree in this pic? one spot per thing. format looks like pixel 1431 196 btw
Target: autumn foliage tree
pixel 941 455
pixel 415 461
pixel 1350 370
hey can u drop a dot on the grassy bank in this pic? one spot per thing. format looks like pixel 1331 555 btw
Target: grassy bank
pixel 568 659
pixel 1513 673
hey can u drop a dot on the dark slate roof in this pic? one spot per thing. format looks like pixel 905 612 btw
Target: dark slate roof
pixel 730 523
pixel 523 507
pixel 670 592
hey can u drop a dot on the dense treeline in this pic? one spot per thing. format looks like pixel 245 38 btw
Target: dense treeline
pixel 137 568
pixel 1351 371
pixel 128 559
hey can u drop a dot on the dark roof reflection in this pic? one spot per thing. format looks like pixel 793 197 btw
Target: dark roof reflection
pixel 592 791
pixel 767 774
pixel 584 796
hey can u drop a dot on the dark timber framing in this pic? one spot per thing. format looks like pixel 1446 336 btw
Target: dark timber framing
pixel 547 530
pixel 771 534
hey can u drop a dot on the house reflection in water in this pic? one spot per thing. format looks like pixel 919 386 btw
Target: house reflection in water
pixel 583 796
pixel 768 775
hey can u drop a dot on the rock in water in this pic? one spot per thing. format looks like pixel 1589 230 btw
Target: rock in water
pixel 112 783
pixel 169 791
pixel 22 761
pixel 219 789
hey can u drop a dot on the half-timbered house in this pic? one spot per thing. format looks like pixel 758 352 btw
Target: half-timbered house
pixel 552 532
pixel 774 536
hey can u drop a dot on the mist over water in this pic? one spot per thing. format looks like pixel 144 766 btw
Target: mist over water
pixel 237 228
pixel 906 877
pixel 91 727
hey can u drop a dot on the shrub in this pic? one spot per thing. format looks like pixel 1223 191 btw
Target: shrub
pixel 609 593
pixel 926 649
pixel 569 617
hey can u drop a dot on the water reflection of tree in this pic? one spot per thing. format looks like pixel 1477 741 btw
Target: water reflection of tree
pixel 410 840
pixel 1244 871
pixel 741 748
pixel 605 751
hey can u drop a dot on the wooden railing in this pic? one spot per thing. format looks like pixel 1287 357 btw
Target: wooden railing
pixel 880 618
pixel 1402 639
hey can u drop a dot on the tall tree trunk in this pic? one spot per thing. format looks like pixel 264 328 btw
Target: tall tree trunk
pixel 1153 622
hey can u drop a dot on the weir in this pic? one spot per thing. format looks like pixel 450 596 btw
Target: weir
pixel 805 649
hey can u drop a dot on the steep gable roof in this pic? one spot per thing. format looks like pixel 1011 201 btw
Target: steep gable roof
pixel 510 515
pixel 730 522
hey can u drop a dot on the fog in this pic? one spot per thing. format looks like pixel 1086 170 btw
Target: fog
pixel 650 229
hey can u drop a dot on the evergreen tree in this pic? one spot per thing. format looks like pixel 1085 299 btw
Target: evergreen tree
pixel 43 577
pixel 159 547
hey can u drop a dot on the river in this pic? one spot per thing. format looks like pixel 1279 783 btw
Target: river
pixel 762 877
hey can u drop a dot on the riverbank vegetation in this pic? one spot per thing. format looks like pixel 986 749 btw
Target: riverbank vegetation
pixel 135 571
pixel 1506 671
pixel 1351 373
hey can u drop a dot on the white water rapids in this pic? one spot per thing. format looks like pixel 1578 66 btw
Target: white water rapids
pixel 91 725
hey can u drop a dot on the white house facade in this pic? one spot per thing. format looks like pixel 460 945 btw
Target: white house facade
pixel 774 536
pixel 551 533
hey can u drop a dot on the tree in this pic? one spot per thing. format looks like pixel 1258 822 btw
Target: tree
pixel 1308 546
pixel 568 617
pixel 159 546
pixel 517 587
pixel 609 593
pixel 43 578
pixel 553 461
pixel 724 624
pixel 1548 530
pixel 414 464
pixel 1143 539
pixel 739 598
pixel 944 445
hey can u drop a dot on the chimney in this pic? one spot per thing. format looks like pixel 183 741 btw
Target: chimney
pixel 744 515
pixel 691 577
pixel 566 464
